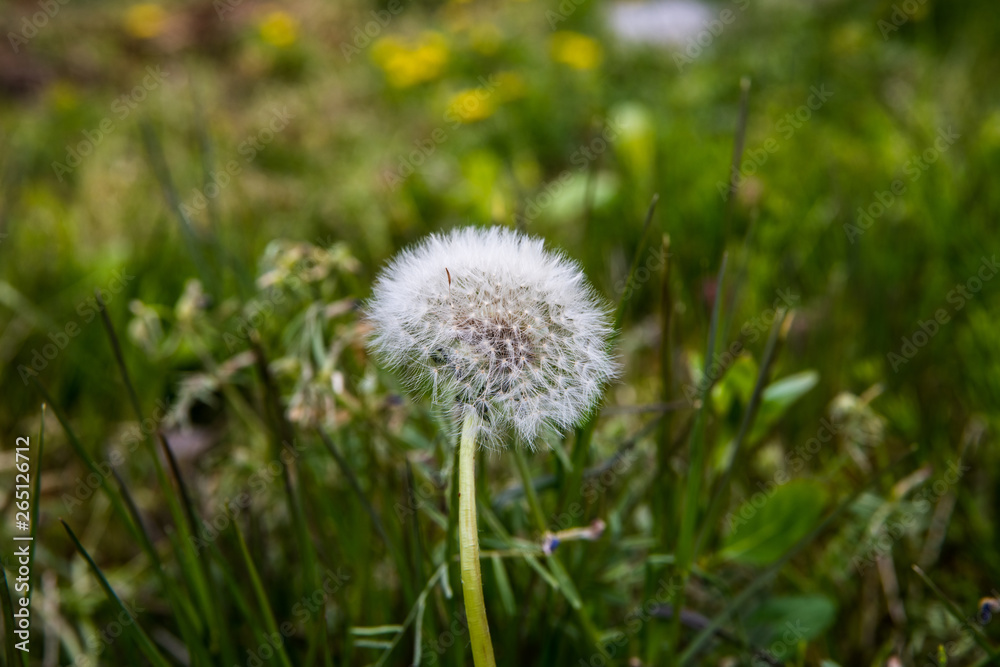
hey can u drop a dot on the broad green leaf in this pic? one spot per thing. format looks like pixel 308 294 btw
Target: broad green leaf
pixel 791 619
pixel 771 520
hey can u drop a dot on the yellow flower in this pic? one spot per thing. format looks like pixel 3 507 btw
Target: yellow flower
pixel 279 29
pixel 471 105
pixel 576 50
pixel 407 64
pixel 145 21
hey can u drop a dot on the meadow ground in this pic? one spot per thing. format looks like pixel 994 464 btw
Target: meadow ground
pixel 195 200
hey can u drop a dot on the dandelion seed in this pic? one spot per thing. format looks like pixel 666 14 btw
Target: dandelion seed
pixel 504 305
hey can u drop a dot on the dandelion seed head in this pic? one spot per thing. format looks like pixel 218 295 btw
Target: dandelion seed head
pixel 489 320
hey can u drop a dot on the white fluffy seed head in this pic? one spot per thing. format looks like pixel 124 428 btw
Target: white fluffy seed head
pixel 488 320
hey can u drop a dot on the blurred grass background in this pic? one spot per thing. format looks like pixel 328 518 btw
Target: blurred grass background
pixel 231 176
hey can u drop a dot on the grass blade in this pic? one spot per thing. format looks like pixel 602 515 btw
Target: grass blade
pixel 685 547
pixel 192 567
pixel 116 502
pixel 130 517
pixel 661 497
pixel 285 435
pixel 145 643
pixel 740 139
pixel 692 489
pixel 158 162
pixel 258 588
pixel 352 479
pixel 953 609
pixel 620 310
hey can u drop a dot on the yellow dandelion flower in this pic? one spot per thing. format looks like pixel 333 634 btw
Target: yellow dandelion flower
pixel 576 50
pixel 145 21
pixel 407 64
pixel 279 29
pixel 471 105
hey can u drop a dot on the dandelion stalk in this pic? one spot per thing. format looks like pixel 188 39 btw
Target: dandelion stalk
pixel 507 337
pixel 468 535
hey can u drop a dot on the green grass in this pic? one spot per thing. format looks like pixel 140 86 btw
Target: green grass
pixel 239 482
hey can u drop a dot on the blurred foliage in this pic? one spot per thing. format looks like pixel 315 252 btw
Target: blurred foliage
pixel 231 175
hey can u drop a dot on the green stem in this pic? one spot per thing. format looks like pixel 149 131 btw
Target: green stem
pixel 468 536
pixel 529 489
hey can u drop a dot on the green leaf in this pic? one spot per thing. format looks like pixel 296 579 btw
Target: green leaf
pixel 771 520
pixel 778 397
pixel 736 385
pixel 782 393
pixel 796 617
